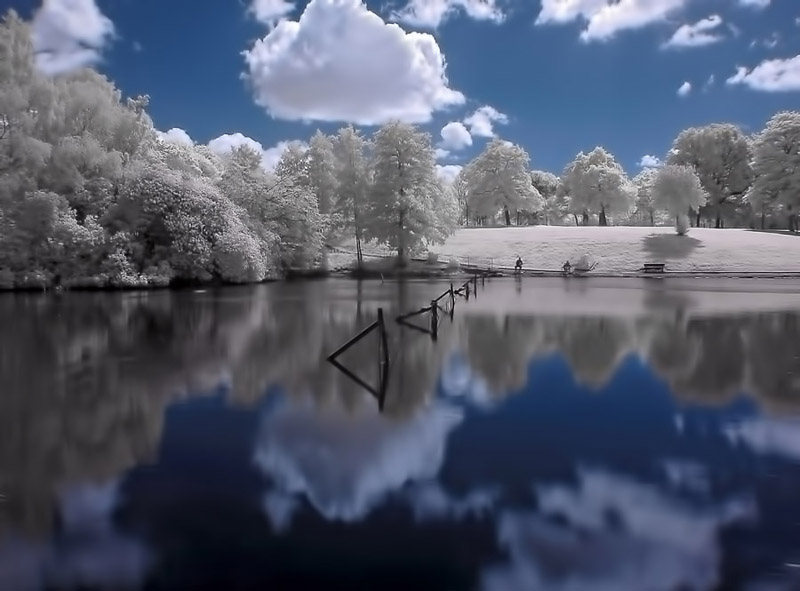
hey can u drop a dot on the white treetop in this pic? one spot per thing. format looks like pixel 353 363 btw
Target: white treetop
pixel 677 190
pixel 720 154
pixel 406 208
pixel 597 184
pixel 776 164
pixel 499 180
pixel 555 204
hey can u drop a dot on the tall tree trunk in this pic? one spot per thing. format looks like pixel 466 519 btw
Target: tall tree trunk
pixel 652 219
pixel 697 218
pixel 401 241
pixel 585 220
pixel 718 223
pixel 575 215
pixel 518 218
pixel 763 220
pixel 508 215
pixel 603 221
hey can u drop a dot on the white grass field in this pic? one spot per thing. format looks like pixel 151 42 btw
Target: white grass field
pixel 625 249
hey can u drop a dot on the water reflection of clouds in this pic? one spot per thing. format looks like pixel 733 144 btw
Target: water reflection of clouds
pixel 768 436
pixel 87 552
pixel 611 533
pixel 346 464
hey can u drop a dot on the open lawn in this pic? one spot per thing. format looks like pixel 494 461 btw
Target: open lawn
pixel 625 249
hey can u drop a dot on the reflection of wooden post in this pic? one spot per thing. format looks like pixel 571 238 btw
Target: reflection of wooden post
pixel 434 320
pixel 383 373
pixel 467 287
pixel 452 302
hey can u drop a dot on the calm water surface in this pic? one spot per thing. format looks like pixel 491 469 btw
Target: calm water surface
pixel 554 437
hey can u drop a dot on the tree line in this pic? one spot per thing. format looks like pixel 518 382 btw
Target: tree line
pixel 714 175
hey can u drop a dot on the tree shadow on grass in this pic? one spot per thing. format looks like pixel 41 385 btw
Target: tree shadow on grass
pixel 670 246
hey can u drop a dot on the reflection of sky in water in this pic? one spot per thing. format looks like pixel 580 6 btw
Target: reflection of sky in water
pixel 557 486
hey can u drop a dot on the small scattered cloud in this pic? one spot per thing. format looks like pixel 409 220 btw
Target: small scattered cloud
pixel 455 136
pixel 441 153
pixel 69 34
pixel 603 20
pixel 430 501
pixel 447 173
pixel 432 13
pixel 772 41
pixel 649 161
pixel 701 33
pixel 481 122
pixel 760 4
pixel 270 157
pixel 776 75
pixel 176 136
pixel 709 83
pixel 270 11
pixel 768 436
pixel 341 62
pixel 685 89
pixel 137 47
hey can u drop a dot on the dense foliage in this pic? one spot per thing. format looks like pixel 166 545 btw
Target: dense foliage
pixel 92 195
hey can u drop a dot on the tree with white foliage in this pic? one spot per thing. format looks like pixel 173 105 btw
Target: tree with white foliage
pixel 644 206
pixel 720 155
pixel 555 205
pixel 677 190
pixel 776 164
pixel 499 181
pixel 322 170
pixel 597 184
pixel 407 209
pixel 353 179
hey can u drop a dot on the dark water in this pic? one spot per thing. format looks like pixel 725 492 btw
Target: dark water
pixel 184 440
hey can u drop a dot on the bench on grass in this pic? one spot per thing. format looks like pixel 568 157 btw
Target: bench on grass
pixel 653 268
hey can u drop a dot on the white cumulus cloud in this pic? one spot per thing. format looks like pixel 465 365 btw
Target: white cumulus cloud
pixel 341 62
pixel 481 122
pixel 269 11
pixel 777 75
pixel 432 13
pixel 685 89
pixel 270 157
pixel 176 135
pixel 69 34
pixel 605 18
pixel 649 161
pixel 447 173
pixel 703 32
pixel 455 136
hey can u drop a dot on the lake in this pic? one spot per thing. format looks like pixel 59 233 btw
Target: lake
pixel 557 434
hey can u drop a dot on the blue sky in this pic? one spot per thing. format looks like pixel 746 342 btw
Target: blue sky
pixel 559 76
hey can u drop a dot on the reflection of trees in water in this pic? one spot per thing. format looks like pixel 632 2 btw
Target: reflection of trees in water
pixel 85 378
pixel 707 359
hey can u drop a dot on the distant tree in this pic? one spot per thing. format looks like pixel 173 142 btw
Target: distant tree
pixel 677 190
pixel 720 154
pixel 499 181
pixel 644 206
pixel 597 184
pixel 555 205
pixel 776 164
pixel 405 210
